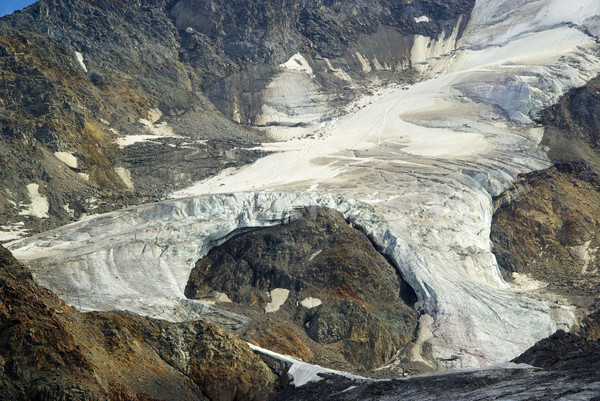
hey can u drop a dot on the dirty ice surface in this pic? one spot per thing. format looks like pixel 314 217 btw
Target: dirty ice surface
pixel 425 158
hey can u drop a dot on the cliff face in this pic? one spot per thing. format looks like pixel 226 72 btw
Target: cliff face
pixel 49 351
pixel 109 103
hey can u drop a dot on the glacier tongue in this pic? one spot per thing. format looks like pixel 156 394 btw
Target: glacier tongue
pixel 139 259
pixel 425 158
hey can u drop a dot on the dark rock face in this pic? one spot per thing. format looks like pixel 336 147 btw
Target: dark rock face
pixel 562 351
pixel 547 224
pixel 250 30
pixel 364 309
pixel 49 351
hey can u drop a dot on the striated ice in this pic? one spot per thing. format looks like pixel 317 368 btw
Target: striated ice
pixel 139 259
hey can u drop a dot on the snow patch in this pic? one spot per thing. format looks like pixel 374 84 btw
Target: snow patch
pixel 585 254
pixel 69 210
pixel 525 283
pixel 79 58
pixel 314 255
pixel 221 297
pixel 302 372
pixel 423 337
pixel 13 231
pixel 311 302
pixel 298 63
pixel 125 176
pixel 364 62
pixel 67 157
pixel 422 18
pixel 39 206
pixel 278 297
pixel 338 72
pixel 537 134
pixel 155 130
pixel 131 139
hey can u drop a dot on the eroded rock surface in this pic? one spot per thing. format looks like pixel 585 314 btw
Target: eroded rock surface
pixel 49 351
pixel 328 282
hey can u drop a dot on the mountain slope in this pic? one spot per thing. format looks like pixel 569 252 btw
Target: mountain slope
pixel 104 103
pixel 50 351
pixel 546 225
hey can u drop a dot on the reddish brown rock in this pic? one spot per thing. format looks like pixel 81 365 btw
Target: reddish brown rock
pixel 49 351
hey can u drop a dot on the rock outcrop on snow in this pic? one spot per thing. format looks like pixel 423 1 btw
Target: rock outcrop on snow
pixel 336 290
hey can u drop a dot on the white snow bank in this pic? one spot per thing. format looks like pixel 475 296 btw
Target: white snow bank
pixel 278 297
pixel 11 232
pixel 67 157
pixel 302 372
pixel 298 63
pixel 39 205
pixel 79 58
pixel 154 129
pixel 311 302
pixel 125 175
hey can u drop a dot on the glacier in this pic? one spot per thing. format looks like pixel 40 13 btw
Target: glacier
pixel 415 166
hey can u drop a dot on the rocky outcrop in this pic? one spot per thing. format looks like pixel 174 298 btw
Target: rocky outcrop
pixel 320 276
pixel 562 351
pixel 49 351
pixel 547 228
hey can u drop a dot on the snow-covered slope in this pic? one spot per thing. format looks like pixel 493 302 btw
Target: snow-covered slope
pixel 426 158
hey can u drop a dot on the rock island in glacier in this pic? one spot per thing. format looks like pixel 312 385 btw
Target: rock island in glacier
pixel 413 164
